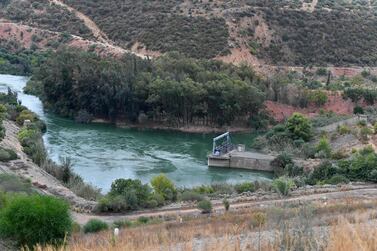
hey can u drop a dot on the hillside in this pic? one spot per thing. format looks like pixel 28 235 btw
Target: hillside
pixel 284 32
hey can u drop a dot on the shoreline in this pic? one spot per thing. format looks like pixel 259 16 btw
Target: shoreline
pixel 184 129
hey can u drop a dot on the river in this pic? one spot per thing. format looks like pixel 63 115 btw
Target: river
pixel 102 153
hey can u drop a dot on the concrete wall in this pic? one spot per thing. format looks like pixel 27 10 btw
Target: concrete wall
pixel 251 163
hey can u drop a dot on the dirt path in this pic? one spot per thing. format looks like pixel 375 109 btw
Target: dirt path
pixel 90 24
pixel 358 193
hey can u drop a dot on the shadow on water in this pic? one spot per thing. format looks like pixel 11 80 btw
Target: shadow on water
pixel 103 152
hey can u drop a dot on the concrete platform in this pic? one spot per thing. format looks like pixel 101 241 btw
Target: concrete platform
pixel 243 160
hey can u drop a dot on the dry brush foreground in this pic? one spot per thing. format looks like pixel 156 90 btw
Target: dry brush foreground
pixel 341 225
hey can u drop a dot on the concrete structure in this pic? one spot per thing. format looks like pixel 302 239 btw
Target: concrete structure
pixel 243 160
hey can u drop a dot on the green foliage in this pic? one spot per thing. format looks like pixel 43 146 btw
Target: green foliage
pixel 361 166
pixel 283 185
pixel 319 98
pixel 244 187
pixel 338 179
pixel 171 88
pixel 25 115
pixel 35 219
pixel 7 154
pixel 162 185
pixel 205 206
pixel 12 183
pixel 321 71
pixel 53 17
pixel 280 163
pixel 133 192
pixel 299 126
pixel 357 93
pixel 94 226
pixel 323 148
pixel 327 118
pixel 358 110
pixel 191 196
pixel 226 204
pixel 156 25
pixel 343 129
pixel 322 172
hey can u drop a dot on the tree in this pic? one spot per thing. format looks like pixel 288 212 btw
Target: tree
pixel 162 185
pixel 299 127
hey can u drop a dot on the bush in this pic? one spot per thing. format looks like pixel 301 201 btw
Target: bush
pixel 191 196
pixel 114 204
pixel 338 179
pixel 35 219
pixel 162 185
pixel 226 204
pixel 245 187
pixel 343 129
pixel 94 226
pixel 323 172
pixel 205 206
pixel 358 110
pixel 12 183
pixel 25 115
pixel 143 219
pixel 323 148
pixel 7 154
pixel 321 71
pixel 204 189
pixel 283 185
pixel 135 194
pixel 319 98
pixel 280 162
pixel 299 127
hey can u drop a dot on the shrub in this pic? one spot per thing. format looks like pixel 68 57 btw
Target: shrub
pixel 364 134
pixel 337 179
pixel 134 192
pixel 323 148
pixel 7 154
pixel 12 183
pixel 226 204
pixel 25 115
pixel 143 219
pixel 191 196
pixel 162 185
pixel 280 162
pixel 299 127
pixel 82 189
pixel 283 185
pixel 122 223
pixel 204 189
pixel 113 204
pixel 205 206
pixel 319 98
pixel 223 188
pixel 94 226
pixel 343 129
pixel 323 172
pixel 35 219
pixel 245 187
pixel 358 110
pixel 321 71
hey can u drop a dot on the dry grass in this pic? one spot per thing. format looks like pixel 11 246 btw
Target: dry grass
pixel 288 228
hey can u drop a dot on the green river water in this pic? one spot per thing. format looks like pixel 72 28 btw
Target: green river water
pixel 102 153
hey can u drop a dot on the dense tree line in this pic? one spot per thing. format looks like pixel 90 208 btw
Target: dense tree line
pixel 172 88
